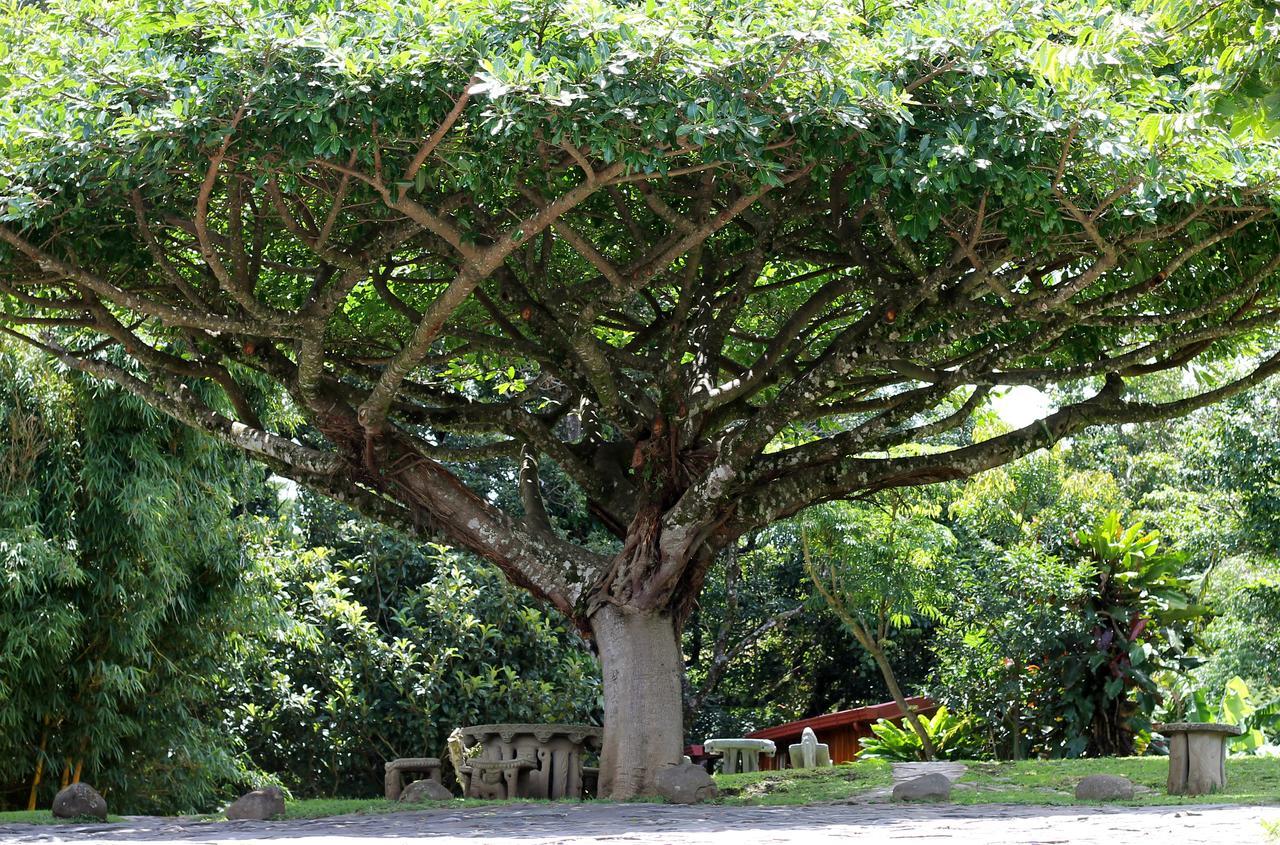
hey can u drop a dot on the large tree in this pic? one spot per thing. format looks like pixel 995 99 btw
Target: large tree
pixel 714 261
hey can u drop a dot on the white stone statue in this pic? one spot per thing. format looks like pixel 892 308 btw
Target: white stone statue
pixel 808 753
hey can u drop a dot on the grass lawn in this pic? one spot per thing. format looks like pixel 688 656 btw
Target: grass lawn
pixel 1251 780
pixel 804 786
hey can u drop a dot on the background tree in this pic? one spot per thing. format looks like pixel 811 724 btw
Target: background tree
pixel 877 565
pixel 779 665
pixel 1208 483
pixel 747 603
pixel 714 263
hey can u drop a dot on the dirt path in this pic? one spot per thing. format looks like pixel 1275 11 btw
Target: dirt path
pixel 652 824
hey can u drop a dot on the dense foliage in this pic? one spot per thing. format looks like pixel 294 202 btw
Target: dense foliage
pixel 120 596
pixel 878 568
pixel 1063 616
pixel 762 648
pixel 377 648
pixel 149 585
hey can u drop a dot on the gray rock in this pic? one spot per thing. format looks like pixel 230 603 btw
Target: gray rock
pixel 930 787
pixel 424 790
pixel 1104 788
pixel 260 805
pixel 78 801
pixel 685 783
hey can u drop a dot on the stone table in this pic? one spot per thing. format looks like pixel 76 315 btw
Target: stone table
pixel 524 761
pixel 740 755
pixel 1197 756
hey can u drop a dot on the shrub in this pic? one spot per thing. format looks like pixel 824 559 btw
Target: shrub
pixel 953 737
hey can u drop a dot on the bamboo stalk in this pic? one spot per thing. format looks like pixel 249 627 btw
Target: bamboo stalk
pixel 75 778
pixel 35 782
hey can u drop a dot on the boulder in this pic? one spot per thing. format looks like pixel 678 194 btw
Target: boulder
pixel 79 800
pixel 930 787
pixel 260 805
pixel 685 783
pixel 1104 788
pixel 424 790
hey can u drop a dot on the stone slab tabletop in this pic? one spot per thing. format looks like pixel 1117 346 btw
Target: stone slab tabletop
pixel 720 744
pixel 1198 727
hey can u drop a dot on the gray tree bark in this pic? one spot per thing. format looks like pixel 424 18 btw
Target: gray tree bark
pixel 643 730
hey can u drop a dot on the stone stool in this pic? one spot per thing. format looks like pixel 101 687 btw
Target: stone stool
pixel 393 783
pixel 1197 756
pixel 740 755
pixel 808 753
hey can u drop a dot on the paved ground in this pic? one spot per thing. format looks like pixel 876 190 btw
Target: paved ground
pixel 652 824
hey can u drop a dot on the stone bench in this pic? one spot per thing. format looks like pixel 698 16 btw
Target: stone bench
pixel 393 782
pixel 1197 756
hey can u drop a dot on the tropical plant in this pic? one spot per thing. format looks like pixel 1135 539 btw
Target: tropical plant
pixel 1260 722
pixel 1141 615
pixel 951 737
pixel 1063 620
pixel 718 262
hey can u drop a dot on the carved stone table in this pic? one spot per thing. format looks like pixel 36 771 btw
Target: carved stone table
pixel 1197 756
pixel 524 761
pixel 740 755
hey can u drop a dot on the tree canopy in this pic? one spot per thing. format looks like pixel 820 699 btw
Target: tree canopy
pixel 716 262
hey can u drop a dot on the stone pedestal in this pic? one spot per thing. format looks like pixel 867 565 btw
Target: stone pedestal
pixel 1197 756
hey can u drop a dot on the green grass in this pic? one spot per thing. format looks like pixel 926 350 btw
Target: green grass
pixel 804 786
pixel 1250 780
pixel 318 808
pixel 45 817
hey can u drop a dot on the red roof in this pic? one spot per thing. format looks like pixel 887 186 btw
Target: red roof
pixel 888 710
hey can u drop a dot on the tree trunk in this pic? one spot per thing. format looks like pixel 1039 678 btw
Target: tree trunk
pixel 643 729
pixel 908 712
